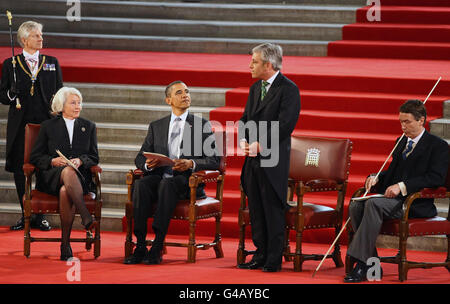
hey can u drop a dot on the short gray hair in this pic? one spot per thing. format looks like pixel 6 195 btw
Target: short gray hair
pixel 270 52
pixel 60 98
pixel 25 28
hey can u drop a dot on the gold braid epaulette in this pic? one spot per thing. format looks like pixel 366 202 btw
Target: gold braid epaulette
pixel 33 78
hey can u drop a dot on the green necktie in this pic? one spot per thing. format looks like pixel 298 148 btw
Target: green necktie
pixel 263 89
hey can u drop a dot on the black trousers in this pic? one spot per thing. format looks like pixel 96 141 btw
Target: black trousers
pixel 267 215
pixel 165 193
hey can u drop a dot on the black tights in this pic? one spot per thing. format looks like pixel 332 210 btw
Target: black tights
pixel 70 201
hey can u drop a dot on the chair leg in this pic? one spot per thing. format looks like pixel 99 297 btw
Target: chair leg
pixel 448 253
pixel 27 237
pixel 218 240
pixel 129 237
pixel 287 247
pixel 241 247
pixel 403 263
pixel 191 245
pixel 337 251
pixel 298 257
pixel 97 242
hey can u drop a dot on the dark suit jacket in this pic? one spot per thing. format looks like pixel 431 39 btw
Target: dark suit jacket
pixel 425 167
pixel 48 82
pixel 54 135
pixel 191 146
pixel 281 104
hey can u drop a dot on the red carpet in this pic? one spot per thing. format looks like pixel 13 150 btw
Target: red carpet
pixel 44 267
pixel 405 29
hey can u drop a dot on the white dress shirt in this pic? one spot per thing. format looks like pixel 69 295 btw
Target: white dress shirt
pixel 69 125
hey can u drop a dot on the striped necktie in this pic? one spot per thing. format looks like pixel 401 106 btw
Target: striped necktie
pixel 264 89
pixel 408 149
pixel 174 142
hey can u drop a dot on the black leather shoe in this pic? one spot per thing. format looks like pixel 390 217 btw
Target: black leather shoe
pixel 20 225
pixel 154 256
pixel 66 253
pixel 44 225
pixel 251 265
pixel 358 274
pixel 271 268
pixel 137 256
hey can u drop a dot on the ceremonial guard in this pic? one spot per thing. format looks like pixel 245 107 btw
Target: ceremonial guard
pixel 29 81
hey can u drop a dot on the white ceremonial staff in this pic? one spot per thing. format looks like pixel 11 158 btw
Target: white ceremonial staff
pixel 367 190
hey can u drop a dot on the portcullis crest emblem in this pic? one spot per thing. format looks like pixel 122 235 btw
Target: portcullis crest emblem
pixel 312 157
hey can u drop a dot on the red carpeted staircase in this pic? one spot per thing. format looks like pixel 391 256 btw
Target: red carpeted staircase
pixel 342 95
pixel 406 29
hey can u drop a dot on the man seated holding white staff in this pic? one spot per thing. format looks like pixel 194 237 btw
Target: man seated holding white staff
pixel 419 161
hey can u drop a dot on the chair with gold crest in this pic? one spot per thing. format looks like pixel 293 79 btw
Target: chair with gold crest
pixel 316 165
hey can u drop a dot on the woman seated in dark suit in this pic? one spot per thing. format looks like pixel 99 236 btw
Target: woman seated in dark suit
pixel 76 139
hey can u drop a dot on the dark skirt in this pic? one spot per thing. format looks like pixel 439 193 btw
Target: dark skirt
pixel 48 181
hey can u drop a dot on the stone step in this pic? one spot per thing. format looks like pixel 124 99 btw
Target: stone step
pixel 441 127
pixel 446 111
pixel 126 113
pixel 132 113
pixel 193 28
pixel 145 94
pixel 268 12
pixel 174 44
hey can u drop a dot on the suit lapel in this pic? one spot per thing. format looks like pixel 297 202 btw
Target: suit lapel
pixel 161 139
pixel 420 147
pixel 270 94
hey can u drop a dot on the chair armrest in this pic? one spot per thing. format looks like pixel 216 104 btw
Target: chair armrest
pixel 440 192
pixel 96 169
pixel 204 176
pixel 28 169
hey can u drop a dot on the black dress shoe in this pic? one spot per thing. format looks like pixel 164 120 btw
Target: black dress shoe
pixel 44 225
pixel 137 256
pixel 20 225
pixel 358 274
pixel 271 268
pixel 154 256
pixel 251 265
pixel 66 253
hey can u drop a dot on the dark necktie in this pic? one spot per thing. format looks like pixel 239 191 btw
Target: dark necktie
pixel 408 149
pixel 264 89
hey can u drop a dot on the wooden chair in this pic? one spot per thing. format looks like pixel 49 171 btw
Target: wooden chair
pixel 43 203
pixel 316 165
pixel 406 227
pixel 190 210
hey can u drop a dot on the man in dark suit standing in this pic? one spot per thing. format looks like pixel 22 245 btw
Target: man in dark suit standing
pixel 273 105
pixel 28 92
pixel 419 161
pixel 180 136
